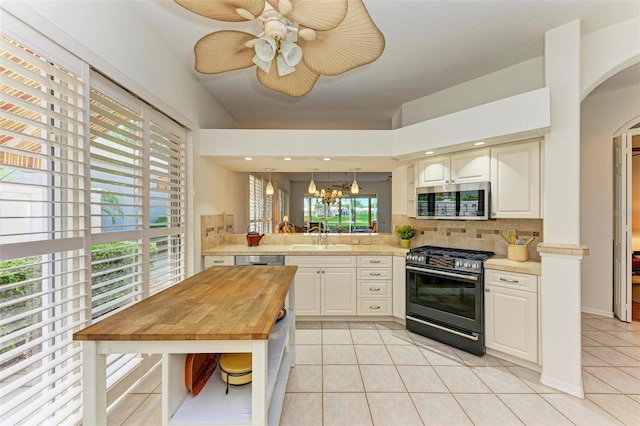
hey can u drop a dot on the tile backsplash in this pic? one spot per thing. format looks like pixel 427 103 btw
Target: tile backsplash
pixel 473 234
pixel 469 234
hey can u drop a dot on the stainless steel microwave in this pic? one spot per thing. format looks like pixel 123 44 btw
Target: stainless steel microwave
pixel 465 201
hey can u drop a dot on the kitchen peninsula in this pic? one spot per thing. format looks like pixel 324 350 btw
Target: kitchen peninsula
pixel 222 309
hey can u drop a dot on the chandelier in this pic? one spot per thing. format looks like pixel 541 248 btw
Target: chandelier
pixel 328 196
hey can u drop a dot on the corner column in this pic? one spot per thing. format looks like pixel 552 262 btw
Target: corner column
pixel 561 252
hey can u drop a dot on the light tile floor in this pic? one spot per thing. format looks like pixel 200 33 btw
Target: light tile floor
pixel 378 373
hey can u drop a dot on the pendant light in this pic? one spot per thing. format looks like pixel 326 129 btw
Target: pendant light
pixel 269 189
pixel 312 184
pixel 355 188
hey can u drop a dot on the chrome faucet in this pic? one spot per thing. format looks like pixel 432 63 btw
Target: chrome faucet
pixel 323 231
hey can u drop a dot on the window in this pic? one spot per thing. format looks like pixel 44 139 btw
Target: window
pixel 349 214
pixel 92 220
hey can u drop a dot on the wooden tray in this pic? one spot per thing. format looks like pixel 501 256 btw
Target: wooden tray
pixel 197 370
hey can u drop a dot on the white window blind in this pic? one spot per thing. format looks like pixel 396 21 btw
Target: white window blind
pixel 256 203
pixel 167 188
pixel 92 220
pixel 116 160
pixel 43 269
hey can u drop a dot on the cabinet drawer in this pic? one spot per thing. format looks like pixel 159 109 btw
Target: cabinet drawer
pixel 513 280
pixel 375 273
pixel 323 261
pixel 374 307
pixel 374 288
pixel 218 261
pixel 375 261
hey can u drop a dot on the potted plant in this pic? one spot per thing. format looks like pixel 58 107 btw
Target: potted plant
pixel 406 233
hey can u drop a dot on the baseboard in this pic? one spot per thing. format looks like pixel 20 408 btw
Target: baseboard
pixel 598 312
pixel 561 385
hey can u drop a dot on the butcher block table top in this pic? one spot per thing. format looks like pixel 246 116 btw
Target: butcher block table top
pixel 219 303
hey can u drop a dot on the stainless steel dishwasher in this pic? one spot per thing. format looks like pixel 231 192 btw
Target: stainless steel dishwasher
pixel 260 260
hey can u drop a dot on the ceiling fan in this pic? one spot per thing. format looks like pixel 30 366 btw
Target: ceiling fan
pixel 305 39
pixel 344 185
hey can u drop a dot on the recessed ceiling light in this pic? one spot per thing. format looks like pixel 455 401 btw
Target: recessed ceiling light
pixel 248 158
pixel 479 143
pixel 429 152
pixel 327 159
pixel 287 158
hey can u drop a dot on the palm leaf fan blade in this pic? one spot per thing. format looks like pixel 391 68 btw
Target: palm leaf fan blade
pixel 318 15
pixel 223 10
pixel 355 42
pixel 298 83
pixel 223 51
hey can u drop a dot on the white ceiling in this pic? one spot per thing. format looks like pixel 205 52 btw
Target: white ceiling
pixel 430 46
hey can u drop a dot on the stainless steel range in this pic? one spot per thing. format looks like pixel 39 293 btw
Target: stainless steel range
pixel 445 299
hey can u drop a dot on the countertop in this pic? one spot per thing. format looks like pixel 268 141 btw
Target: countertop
pixel 356 250
pixel 219 303
pixel 497 262
pixel 504 264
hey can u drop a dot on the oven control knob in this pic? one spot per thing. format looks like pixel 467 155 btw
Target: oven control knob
pixel 459 264
pixel 422 258
pixel 475 266
pixel 467 264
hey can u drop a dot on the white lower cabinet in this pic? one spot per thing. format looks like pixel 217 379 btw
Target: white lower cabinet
pixel 375 274
pixel 325 285
pixel 511 313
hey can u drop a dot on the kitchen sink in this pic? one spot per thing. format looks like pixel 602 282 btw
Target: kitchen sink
pixel 320 247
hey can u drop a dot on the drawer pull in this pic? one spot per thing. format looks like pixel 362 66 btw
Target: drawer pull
pixel 374 307
pixel 374 261
pixel 374 274
pixel 374 288
pixel 509 281
pixel 218 261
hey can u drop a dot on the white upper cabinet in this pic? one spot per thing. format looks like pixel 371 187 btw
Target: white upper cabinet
pixel 434 171
pixel 465 167
pixel 515 181
pixel 471 166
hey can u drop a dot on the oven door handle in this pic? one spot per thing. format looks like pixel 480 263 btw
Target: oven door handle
pixel 443 273
pixel 473 337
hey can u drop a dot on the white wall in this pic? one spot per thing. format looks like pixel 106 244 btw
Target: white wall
pixel 602 115
pixel 519 78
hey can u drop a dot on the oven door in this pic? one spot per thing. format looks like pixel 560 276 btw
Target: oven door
pixel 451 299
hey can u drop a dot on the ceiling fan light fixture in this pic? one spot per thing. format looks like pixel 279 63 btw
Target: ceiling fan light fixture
pixel 283 67
pixel 266 48
pixel 290 52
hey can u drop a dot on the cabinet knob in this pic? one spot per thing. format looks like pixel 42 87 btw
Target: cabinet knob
pixel 486 290
pixel 323 272
pixel 318 271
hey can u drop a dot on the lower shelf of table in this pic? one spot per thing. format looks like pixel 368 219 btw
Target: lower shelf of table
pixel 212 406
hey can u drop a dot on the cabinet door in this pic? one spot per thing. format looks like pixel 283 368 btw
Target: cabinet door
pixel 472 166
pixel 434 171
pixel 512 322
pixel 515 181
pixel 307 291
pixel 338 290
pixel 210 261
pixel 399 288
